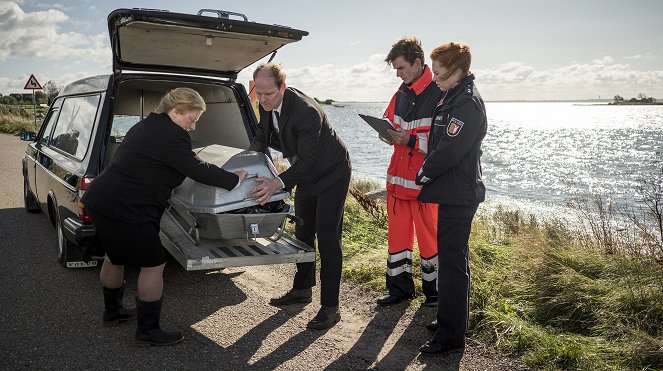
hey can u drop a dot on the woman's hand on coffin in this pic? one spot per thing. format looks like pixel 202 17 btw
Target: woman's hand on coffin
pixel 265 189
pixel 241 174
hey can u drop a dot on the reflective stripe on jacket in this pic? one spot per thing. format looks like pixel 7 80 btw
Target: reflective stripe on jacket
pixel 411 108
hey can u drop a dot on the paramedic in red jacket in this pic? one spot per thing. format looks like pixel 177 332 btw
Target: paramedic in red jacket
pixel 410 110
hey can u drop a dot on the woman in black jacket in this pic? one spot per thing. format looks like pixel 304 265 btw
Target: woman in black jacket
pixel 451 177
pixel 127 200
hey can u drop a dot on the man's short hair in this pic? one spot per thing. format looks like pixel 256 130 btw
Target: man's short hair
pixel 409 48
pixel 274 70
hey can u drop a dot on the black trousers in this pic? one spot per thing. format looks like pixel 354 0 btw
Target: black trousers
pixel 453 233
pixel 323 217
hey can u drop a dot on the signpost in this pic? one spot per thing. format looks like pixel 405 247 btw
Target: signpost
pixel 33 84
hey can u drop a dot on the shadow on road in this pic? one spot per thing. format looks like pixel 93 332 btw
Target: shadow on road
pixel 374 339
pixel 406 348
pixel 55 313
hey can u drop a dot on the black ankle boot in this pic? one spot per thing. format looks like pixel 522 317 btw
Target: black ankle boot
pixel 115 313
pixel 148 331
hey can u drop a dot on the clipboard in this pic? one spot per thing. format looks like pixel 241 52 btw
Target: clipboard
pixel 379 124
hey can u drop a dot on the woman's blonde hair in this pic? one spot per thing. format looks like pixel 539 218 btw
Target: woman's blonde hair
pixel 182 99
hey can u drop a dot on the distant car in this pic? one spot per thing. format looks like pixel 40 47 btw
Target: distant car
pixel 153 52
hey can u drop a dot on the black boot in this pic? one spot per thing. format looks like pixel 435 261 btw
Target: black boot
pixel 326 318
pixel 148 331
pixel 115 313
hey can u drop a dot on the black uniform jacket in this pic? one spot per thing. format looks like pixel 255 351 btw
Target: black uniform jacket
pixel 154 157
pixel 451 174
pixel 318 157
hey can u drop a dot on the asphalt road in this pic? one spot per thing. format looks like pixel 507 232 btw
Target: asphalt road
pixel 50 317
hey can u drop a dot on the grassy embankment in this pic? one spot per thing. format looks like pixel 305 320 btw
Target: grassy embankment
pixel 13 118
pixel 560 297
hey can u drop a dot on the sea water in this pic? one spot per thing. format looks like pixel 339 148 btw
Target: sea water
pixel 537 156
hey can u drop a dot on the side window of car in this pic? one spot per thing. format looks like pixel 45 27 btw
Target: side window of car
pixel 49 122
pixel 75 123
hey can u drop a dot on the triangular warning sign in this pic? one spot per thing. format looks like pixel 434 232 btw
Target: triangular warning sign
pixel 32 83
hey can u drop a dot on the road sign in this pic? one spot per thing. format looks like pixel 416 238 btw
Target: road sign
pixel 32 83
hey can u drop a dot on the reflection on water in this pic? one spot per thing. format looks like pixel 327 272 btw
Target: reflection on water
pixel 538 154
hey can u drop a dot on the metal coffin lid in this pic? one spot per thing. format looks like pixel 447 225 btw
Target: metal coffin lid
pixel 201 198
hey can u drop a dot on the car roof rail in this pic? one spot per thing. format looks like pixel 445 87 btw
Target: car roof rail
pixel 153 9
pixel 222 13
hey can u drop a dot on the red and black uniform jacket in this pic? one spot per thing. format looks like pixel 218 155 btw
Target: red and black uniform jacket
pixel 411 108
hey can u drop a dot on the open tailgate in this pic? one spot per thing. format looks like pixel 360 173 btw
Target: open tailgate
pixel 217 254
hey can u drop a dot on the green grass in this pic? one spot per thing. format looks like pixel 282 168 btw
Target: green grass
pixel 539 293
pixel 540 290
pixel 13 118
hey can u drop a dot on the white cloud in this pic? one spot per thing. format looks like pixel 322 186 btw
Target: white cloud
pixel 38 35
pixel 15 84
pixel 368 80
pixel 372 79
pixel 58 6
pixel 43 36
pixel 12 84
pixel 641 56
pixel 600 77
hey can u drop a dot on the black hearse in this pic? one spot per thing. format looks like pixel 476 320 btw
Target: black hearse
pixel 153 51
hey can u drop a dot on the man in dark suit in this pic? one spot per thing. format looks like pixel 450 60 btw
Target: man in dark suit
pixel 294 124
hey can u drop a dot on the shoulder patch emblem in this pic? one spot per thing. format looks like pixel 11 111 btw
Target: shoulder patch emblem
pixel 454 127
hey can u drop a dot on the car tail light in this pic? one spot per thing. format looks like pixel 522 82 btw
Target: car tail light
pixel 82 214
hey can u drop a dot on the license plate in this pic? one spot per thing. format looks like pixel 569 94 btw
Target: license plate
pixel 82 264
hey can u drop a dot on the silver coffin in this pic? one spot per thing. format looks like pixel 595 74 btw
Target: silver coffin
pixel 207 212
pixel 202 198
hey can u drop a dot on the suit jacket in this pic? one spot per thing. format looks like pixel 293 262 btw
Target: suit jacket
pixel 318 157
pixel 154 157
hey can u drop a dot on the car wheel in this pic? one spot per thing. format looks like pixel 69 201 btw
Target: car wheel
pixel 29 200
pixel 65 250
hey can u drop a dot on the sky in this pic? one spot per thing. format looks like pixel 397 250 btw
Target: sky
pixel 521 50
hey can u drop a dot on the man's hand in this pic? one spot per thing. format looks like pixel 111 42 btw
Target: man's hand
pixel 389 142
pixel 399 136
pixel 267 187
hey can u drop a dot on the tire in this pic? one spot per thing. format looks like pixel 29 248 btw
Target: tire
pixel 29 200
pixel 69 255
pixel 66 251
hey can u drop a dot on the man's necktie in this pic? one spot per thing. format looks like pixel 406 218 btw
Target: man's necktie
pixel 276 123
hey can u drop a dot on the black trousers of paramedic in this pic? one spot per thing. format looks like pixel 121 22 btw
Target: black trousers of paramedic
pixel 323 217
pixel 453 233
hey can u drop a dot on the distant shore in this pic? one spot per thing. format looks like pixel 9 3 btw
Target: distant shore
pixel 635 104
pixel 588 101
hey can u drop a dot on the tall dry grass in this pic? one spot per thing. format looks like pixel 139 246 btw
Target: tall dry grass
pixel 13 119
pixel 585 295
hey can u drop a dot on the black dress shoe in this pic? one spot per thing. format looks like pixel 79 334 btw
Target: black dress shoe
pixel 293 296
pixel 432 347
pixel 430 302
pixel 433 326
pixel 388 300
pixel 326 318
